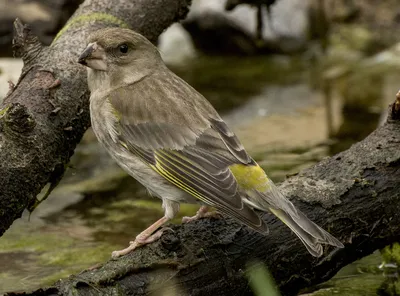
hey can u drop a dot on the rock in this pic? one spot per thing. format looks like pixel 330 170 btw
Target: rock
pixel 214 30
pixel 176 45
pixel 289 17
pixel 215 33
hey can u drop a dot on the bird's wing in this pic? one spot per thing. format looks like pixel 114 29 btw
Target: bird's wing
pixel 178 139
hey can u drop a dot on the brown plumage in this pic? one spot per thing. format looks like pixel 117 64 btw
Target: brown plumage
pixel 168 136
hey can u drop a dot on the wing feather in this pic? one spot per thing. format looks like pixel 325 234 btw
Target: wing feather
pixel 208 189
pixel 185 147
pixel 231 141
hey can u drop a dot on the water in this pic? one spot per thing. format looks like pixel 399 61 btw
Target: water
pixel 280 119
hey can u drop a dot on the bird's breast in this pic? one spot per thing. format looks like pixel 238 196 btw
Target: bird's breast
pixel 103 121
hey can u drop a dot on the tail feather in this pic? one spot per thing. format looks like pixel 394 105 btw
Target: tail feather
pixel 311 235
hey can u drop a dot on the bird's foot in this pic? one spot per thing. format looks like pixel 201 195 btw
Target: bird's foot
pixel 145 237
pixel 201 213
pixel 130 248
pixel 141 240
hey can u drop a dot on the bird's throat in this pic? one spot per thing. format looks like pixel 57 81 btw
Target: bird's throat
pixel 98 81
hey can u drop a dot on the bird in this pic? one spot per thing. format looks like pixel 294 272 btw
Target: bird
pixel 167 136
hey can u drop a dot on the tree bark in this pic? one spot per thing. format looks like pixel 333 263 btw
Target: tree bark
pixel 355 195
pixel 45 114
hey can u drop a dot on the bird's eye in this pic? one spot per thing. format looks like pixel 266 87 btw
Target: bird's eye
pixel 123 48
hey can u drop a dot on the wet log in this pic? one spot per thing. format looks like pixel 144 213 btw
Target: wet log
pixel 45 114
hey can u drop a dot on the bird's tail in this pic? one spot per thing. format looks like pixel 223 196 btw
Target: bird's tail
pixel 311 235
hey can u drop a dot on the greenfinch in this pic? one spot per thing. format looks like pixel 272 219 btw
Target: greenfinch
pixel 167 136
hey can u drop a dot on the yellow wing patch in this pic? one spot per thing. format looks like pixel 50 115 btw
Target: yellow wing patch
pixel 250 177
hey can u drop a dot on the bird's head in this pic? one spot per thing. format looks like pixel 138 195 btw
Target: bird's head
pixel 118 51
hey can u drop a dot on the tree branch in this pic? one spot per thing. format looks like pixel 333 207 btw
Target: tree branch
pixel 45 115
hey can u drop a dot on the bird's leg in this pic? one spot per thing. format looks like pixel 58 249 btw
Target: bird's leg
pixel 147 236
pixel 201 213
pixel 150 234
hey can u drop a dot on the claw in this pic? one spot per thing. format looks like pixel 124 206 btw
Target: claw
pixel 201 213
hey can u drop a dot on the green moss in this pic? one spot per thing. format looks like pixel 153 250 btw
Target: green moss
pixel 361 278
pixel 3 111
pixel 55 248
pixel 391 254
pixel 361 285
pixel 84 19
pixel 70 256
pixel 33 242
pixel 73 260
pixel 57 254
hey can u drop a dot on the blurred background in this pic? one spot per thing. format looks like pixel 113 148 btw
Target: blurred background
pixel 297 80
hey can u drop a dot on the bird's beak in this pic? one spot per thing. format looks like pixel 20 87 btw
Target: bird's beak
pixel 93 57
